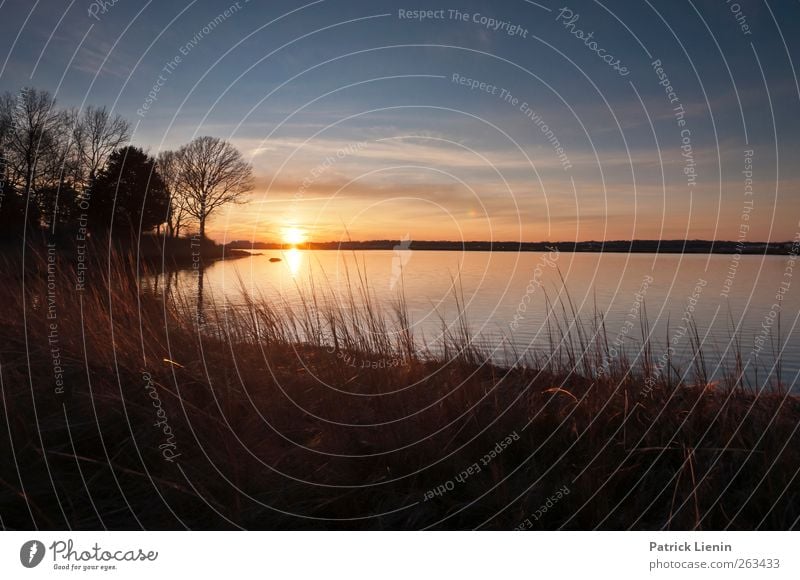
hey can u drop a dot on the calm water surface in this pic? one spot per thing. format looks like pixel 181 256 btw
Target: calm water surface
pixel 506 294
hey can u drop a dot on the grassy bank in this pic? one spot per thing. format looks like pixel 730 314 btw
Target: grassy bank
pixel 128 410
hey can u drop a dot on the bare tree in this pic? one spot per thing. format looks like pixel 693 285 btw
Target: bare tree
pixel 60 160
pixel 58 171
pixel 31 125
pixel 178 214
pixel 211 173
pixel 97 134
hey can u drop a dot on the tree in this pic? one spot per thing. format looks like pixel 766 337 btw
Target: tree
pixel 168 167
pixel 12 206
pixel 128 195
pixel 54 154
pixel 31 127
pixel 58 173
pixel 97 134
pixel 31 123
pixel 210 173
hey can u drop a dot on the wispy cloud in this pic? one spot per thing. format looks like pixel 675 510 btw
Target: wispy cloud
pixel 101 56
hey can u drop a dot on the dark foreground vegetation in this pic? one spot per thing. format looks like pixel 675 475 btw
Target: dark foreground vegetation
pixel 124 409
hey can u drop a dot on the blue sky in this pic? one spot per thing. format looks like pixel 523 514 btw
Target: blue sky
pixel 352 120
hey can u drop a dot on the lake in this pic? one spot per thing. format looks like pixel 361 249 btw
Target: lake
pixel 506 295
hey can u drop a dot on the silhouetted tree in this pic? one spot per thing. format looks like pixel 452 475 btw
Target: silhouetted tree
pixel 31 121
pixel 97 134
pixel 178 214
pixel 32 128
pixel 59 208
pixel 12 213
pixel 128 195
pixel 210 173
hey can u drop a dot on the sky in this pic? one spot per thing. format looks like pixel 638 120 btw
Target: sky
pixel 476 120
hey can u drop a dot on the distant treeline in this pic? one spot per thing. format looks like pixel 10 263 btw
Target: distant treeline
pixel 630 246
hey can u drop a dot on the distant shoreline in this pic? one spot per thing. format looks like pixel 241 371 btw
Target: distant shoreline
pixel 619 246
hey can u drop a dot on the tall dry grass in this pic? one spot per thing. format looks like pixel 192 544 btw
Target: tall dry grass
pixel 329 413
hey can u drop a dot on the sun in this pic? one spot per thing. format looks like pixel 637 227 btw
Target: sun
pixel 293 236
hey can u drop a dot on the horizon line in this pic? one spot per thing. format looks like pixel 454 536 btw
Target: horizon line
pixel 506 242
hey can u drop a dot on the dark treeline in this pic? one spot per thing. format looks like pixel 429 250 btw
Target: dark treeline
pixel 68 174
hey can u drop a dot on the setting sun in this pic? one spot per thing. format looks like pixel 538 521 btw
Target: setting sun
pixel 293 236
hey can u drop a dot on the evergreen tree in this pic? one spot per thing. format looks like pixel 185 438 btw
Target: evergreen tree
pixel 129 196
